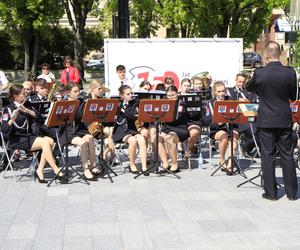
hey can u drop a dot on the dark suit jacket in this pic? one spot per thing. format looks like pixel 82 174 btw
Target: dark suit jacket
pixel 235 94
pixel 35 98
pixel 275 85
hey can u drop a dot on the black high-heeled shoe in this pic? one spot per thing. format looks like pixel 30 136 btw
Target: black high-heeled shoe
pixel 94 178
pixel 164 170
pixel 36 176
pixel 175 170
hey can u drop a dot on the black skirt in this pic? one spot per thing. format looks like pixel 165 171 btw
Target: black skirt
pixel 181 132
pixel 24 143
pixel 119 134
pixel 63 138
pixel 191 123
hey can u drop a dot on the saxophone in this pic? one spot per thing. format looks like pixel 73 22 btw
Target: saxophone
pixel 95 128
pixel 52 91
pixel 138 124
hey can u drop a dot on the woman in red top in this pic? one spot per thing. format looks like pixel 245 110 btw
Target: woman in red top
pixel 70 74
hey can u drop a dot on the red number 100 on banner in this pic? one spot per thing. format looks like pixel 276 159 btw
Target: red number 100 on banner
pixel 144 76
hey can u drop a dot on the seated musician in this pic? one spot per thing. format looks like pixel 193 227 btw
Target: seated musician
pixel 97 90
pixel 219 131
pixel 185 86
pixel 172 133
pixel 196 84
pixel 28 86
pixel 238 92
pixel 18 125
pixel 59 93
pixel 78 135
pixel 42 91
pixel 125 129
pixel 194 123
pixel 201 82
pixel 41 87
pixel 145 85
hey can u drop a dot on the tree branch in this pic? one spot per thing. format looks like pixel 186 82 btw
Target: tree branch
pixel 69 14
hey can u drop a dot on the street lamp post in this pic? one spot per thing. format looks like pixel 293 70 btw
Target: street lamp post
pixel 123 13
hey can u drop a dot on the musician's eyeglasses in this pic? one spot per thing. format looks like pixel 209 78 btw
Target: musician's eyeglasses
pixel 45 68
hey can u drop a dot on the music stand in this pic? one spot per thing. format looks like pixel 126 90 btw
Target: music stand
pixel 152 94
pixel 229 112
pixel 101 110
pixel 157 111
pixel 61 113
pixel 250 111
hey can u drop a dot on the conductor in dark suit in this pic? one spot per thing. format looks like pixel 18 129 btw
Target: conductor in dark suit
pixel 275 84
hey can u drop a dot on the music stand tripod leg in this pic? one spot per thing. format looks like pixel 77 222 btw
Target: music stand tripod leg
pixel 156 162
pixel 251 180
pixel 65 162
pixel 106 168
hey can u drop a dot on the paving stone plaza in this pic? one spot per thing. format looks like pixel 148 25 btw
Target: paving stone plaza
pixel 198 211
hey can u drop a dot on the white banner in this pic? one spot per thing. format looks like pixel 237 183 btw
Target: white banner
pixel 155 59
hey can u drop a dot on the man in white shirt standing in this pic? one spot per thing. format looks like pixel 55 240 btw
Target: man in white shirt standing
pixel 3 81
pixel 121 79
pixel 46 74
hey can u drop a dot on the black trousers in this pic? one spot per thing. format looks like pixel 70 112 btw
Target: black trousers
pixel 271 139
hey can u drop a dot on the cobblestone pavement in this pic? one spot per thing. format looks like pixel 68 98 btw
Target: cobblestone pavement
pixel 198 211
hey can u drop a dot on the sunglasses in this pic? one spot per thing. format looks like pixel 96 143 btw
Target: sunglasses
pixel 45 68
pixel 27 89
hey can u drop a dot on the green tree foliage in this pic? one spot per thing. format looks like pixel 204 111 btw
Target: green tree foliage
pixel 145 17
pixel 77 12
pixel 6 58
pixel 24 20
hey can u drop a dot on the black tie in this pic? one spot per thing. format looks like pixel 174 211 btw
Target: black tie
pixel 122 83
pixel 44 99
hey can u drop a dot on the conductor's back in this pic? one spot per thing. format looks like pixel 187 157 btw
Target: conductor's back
pixel 275 84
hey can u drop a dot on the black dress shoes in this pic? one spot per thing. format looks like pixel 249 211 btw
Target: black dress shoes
pixel 36 176
pixel 268 197
pixel 292 198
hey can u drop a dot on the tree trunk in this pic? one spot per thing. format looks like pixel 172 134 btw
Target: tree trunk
pixel 35 47
pixel 183 31
pixel 26 41
pixel 78 50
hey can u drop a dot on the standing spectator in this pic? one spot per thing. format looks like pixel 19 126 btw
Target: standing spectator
pixel 3 81
pixel 70 74
pixel 46 74
pixel 275 85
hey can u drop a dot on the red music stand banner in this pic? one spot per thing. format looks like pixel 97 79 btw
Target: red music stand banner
pixel 96 110
pixel 295 110
pixel 229 112
pixel 61 111
pixel 153 110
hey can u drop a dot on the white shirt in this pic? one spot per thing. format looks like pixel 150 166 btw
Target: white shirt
pixel 3 79
pixel 114 86
pixel 49 78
